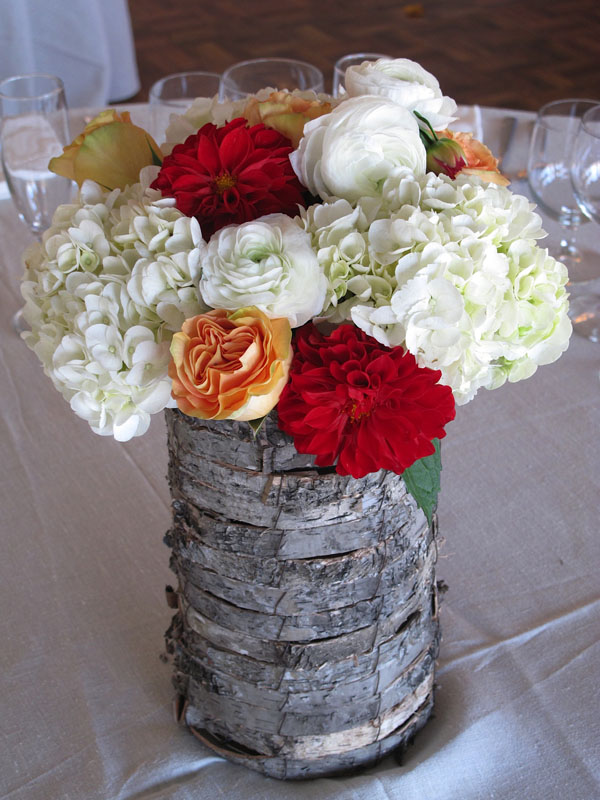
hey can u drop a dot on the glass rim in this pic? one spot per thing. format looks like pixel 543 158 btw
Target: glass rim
pixel 585 121
pixel 59 86
pixel 542 119
pixel 238 64
pixel 162 81
pixel 364 56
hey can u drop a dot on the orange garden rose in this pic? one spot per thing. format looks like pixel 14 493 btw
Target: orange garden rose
pixel 111 151
pixel 230 365
pixel 480 160
pixel 286 113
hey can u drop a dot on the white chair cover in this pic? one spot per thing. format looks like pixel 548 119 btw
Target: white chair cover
pixel 87 43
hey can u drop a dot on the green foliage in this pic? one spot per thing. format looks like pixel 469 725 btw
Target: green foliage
pixel 256 424
pixel 422 480
pixel 156 159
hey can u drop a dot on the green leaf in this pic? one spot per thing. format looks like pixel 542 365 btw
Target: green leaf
pixel 422 480
pixel 156 159
pixel 256 424
pixel 432 136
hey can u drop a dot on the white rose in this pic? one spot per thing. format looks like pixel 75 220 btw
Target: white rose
pixel 268 263
pixel 350 152
pixel 406 83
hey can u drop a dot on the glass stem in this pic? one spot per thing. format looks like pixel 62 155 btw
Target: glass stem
pixel 568 247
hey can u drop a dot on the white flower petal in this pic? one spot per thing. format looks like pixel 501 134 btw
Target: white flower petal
pixel 268 263
pixel 406 83
pixel 349 152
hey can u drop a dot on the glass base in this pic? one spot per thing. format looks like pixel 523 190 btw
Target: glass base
pixel 582 265
pixel 584 312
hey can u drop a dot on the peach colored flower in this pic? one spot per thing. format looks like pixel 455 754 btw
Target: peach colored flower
pixel 480 160
pixel 111 151
pixel 286 113
pixel 230 365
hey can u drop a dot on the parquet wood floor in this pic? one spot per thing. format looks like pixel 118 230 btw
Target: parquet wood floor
pixel 493 52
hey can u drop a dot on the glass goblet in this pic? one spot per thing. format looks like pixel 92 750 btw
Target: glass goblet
pixel 548 171
pixel 248 77
pixel 585 177
pixel 174 94
pixel 34 127
pixel 342 64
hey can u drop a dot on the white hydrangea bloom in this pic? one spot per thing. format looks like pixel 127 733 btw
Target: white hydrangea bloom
pixel 104 292
pixel 450 270
pixel 339 238
pixel 268 263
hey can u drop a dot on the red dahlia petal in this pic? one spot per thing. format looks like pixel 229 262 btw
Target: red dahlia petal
pixel 257 161
pixel 366 406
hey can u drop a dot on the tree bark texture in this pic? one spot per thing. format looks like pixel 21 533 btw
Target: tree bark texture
pixel 306 629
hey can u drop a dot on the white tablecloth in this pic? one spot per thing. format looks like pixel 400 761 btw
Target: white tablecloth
pixel 85 699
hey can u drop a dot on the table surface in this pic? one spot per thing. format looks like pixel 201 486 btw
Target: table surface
pixel 85 698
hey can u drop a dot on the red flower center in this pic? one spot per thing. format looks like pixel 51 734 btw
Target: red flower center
pixel 232 174
pixel 357 409
pixel 224 182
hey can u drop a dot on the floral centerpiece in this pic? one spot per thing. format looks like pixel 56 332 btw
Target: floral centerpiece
pixel 353 264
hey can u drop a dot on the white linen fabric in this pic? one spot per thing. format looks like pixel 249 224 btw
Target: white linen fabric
pixel 85 699
pixel 87 43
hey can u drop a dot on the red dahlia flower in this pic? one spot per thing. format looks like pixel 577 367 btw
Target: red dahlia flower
pixel 231 175
pixel 366 406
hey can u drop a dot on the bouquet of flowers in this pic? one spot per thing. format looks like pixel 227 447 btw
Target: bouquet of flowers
pixel 352 263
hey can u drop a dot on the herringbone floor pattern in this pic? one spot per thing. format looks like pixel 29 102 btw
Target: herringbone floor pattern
pixel 493 52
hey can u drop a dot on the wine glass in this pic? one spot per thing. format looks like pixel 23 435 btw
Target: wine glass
pixel 247 77
pixel 342 64
pixel 34 127
pixel 548 171
pixel 585 177
pixel 174 94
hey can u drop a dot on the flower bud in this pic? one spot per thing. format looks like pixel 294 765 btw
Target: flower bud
pixel 445 156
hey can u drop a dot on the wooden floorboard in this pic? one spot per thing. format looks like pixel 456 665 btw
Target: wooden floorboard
pixel 492 52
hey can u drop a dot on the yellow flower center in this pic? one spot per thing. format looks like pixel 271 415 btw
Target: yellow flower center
pixel 224 182
pixel 355 412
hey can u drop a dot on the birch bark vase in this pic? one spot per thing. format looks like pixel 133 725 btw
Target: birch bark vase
pixel 306 629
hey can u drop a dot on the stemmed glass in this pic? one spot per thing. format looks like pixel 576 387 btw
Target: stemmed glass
pixel 585 177
pixel 247 77
pixel 174 94
pixel 548 171
pixel 34 127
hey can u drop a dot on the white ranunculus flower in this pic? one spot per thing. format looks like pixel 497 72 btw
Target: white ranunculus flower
pixel 406 83
pixel 349 152
pixel 268 263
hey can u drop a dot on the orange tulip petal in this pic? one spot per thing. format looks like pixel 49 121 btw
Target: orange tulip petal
pixel 114 154
pixel 110 150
